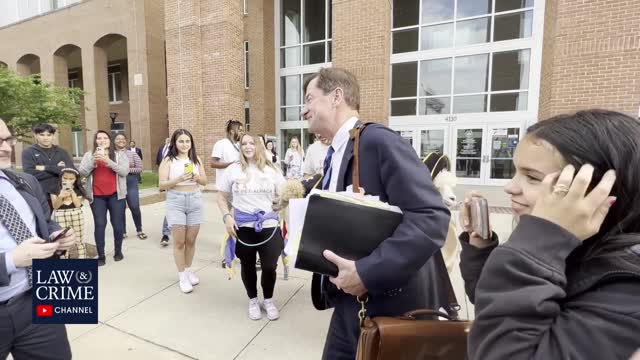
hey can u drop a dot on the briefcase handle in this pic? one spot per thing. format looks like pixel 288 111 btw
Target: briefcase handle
pixel 412 314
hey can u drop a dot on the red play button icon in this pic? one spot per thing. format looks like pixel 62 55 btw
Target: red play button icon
pixel 44 310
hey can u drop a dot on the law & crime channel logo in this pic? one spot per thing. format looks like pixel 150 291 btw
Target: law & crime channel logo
pixel 65 291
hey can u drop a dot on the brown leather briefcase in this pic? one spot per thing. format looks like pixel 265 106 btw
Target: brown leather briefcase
pixel 409 337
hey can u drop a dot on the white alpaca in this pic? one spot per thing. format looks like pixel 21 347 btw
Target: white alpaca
pixel 445 181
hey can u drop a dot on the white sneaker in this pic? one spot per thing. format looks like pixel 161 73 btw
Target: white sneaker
pixel 254 309
pixel 185 284
pixel 272 310
pixel 193 278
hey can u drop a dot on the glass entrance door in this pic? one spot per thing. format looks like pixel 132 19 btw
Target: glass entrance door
pixel 481 153
pixel 469 141
pixel 502 141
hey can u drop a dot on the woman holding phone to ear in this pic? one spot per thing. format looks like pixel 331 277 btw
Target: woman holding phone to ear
pixel 106 172
pixel 182 174
pixel 566 284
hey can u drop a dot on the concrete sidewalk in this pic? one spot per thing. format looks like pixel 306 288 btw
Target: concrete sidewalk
pixel 143 314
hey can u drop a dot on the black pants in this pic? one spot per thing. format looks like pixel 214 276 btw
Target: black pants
pixel 99 207
pixel 269 255
pixel 344 330
pixel 27 341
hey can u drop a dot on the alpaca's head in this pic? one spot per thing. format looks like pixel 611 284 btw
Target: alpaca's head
pixel 445 182
pixel 443 179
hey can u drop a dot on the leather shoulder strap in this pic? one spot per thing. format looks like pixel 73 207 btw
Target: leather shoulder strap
pixel 355 134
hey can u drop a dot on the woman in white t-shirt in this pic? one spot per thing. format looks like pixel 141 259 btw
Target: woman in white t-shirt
pixel 251 187
pixel 293 159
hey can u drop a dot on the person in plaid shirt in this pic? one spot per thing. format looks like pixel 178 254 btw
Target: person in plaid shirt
pixel 133 198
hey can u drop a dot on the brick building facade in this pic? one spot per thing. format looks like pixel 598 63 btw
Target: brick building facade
pixel 464 77
pixel 458 76
pixel 112 49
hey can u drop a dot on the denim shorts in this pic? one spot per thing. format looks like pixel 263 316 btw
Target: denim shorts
pixel 184 208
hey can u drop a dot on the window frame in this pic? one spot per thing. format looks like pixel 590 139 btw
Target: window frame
pixel 111 79
pixel 245 47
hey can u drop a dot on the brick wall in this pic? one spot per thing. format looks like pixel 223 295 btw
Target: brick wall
pixel 591 56
pixel 362 45
pixel 260 32
pixel 204 68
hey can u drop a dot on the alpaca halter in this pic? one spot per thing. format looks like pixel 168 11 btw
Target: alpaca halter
pixel 435 166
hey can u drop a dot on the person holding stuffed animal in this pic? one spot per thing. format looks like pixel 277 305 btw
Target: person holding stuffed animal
pixel 67 208
pixel 251 187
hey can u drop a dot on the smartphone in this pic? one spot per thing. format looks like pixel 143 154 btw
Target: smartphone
pixel 67 186
pixel 479 214
pixel 188 168
pixel 99 151
pixel 62 234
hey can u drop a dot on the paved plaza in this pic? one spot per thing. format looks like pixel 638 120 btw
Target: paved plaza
pixel 143 314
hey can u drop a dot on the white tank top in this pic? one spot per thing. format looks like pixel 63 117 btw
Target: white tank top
pixel 176 170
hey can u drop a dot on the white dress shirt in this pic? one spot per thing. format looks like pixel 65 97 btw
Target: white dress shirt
pixel 339 144
pixel 314 161
pixel 19 281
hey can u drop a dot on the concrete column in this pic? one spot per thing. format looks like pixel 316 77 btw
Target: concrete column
pixel 94 73
pixel 58 74
pixel 147 84
pixel 361 44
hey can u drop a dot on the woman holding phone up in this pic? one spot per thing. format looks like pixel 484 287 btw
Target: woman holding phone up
pixel 182 174
pixel 106 172
pixel 567 282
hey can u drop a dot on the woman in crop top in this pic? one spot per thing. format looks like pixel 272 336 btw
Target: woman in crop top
pixel 181 174
pixel 106 172
pixel 251 187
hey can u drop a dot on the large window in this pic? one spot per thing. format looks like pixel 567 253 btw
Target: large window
pixel 291 96
pixel 420 25
pixel 496 81
pixel 303 46
pixel 74 79
pixel 305 32
pixel 115 83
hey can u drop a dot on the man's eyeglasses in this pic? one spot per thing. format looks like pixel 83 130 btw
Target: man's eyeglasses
pixel 12 141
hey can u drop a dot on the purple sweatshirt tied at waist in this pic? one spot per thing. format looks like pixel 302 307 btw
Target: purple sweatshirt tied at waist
pixel 258 217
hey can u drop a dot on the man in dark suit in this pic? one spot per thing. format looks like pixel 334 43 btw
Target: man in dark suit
pixel 399 276
pixel 24 224
pixel 163 150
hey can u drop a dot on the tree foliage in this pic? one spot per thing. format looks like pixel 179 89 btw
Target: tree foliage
pixel 27 101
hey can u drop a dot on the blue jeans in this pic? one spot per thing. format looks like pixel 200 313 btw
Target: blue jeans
pixel 133 201
pixel 165 228
pixel 99 207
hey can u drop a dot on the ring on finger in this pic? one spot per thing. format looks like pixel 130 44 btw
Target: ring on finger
pixel 560 189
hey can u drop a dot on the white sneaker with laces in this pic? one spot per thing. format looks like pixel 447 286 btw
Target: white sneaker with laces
pixel 193 278
pixel 185 284
pixel 254 309
pixel 272 310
